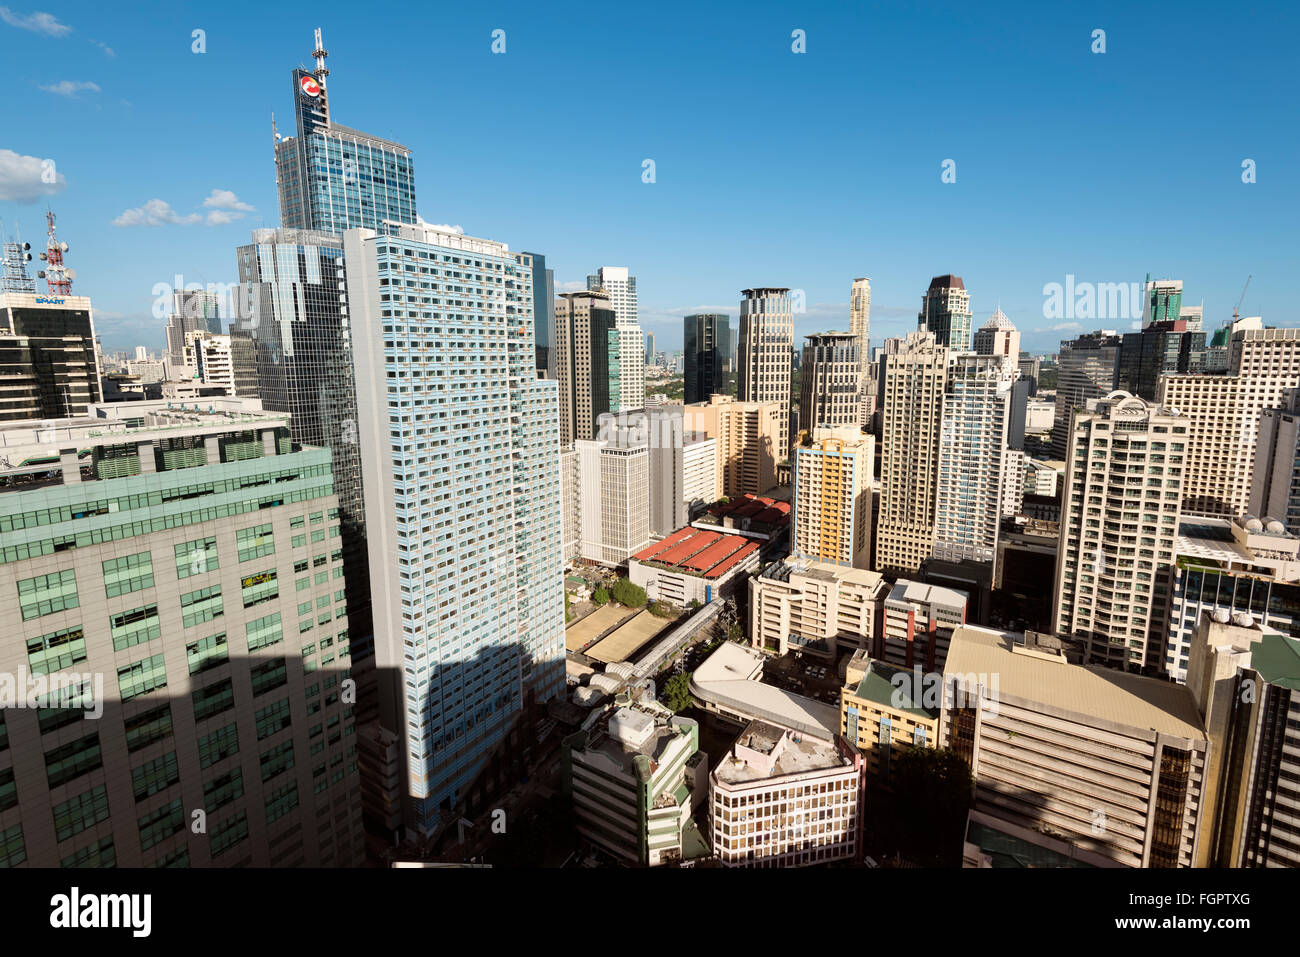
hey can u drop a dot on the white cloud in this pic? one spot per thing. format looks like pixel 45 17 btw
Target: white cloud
pixel 156 212
pixel 108 50
pixel 226 199
pixel 570 286
pixel 421 221
pixel 225 207
pixel 25 179
pixel 1064 327
pixel 38 22
pixel 70 88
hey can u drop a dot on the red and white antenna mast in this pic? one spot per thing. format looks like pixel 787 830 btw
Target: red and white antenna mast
pixel 58 278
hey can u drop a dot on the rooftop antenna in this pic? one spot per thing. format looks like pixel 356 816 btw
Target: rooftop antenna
pixel 57 277
pixel 320 53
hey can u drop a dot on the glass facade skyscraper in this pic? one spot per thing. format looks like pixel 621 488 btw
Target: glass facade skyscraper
pixel 461 456
pixel 334 178
pixel 289 300
pixel 704 346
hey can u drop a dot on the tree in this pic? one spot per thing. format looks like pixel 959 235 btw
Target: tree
pixel 568 609
pixel 600 596
pixel 735 632
pixel 626 593
pixel 929 795
pixel 677 693
pixel 663 609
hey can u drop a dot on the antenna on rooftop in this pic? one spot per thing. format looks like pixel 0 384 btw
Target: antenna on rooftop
pixel 320 53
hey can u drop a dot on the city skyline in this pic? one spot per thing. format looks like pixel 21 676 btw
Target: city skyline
pixel 846 208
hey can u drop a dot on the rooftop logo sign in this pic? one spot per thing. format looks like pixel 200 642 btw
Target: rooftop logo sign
pixel 309 86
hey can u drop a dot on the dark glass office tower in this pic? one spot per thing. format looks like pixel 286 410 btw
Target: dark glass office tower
pixel 705 341
pixel 333 178
pixel 1163 347
pixel 289 300
pixel 544 315
pixel 48 368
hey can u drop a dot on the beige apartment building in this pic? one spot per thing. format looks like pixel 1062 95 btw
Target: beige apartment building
pixel 815 607
pixel 1081 756
pixel 764 355
pixel 832 496
pixel 747 437
pixel 1119 522
pixel 860 327
pixel 911 427
pixel 784 799
pixel 1224 415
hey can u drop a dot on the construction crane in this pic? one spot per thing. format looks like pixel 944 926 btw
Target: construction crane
pixel 1237 308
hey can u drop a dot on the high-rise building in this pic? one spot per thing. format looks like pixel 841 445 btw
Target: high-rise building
pixel 915 379
pixel 704 345
pixel 1244 679
pixel 49 366
pixel 193 310
pixel 945 312
pixel 1243 566
pixel 621 289
pixel 571 495
pixel 290 302
pixel 1088 368
pixel 1164 347
pixel 331 178
pixel 461 462
pixel 830 393
pixel 1162 300
pixel 615 475
pixel 1073 764
pixel 747 435
pixel 974 457
pixel 860 326
pixel 650 348
pixel 211 358
pixel 766 351
pixel 1225 415
pixel 588 362
pixel 682 468
pixel 1031 367
pixel 1119 522
pixel 243 361
pixel 832 495
pixel 154 587
pixel 544 311
pixel 1275 481
pixel 999 337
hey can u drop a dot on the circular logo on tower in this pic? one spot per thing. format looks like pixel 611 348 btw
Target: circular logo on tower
pixel 309 86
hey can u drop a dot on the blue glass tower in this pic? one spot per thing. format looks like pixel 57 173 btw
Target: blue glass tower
pixel 332 178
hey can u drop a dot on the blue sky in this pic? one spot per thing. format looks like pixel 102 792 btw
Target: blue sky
pixel 772 168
